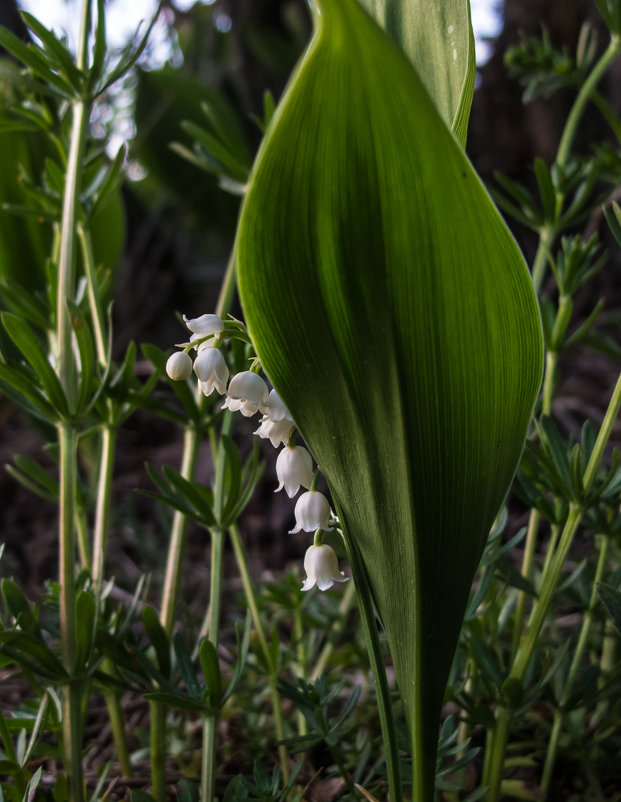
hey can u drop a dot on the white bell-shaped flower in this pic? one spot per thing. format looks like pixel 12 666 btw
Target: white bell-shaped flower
pixel 322 568
pixel 204 325
pixel 294 467
pixel 312 512
pixel 179 366
pixel 276 409
pixel 278 432
pixel 247 394
pixel 211 370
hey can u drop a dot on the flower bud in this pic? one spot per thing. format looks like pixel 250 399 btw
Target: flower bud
pixel 322 568
pixel 179 366
pixel 312 511
pixel 294 467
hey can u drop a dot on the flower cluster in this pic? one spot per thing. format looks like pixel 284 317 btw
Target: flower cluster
pixel 247 392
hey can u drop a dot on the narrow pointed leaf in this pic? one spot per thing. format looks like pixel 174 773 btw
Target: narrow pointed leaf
pixel 438 39
pixel 393 312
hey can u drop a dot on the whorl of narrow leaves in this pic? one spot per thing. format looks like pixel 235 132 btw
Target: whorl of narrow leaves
pixel 394 314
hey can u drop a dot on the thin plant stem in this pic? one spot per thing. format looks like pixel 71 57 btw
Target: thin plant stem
pixel 251 600
pixel 94 296
pixel 102 510
pixel 208 758
pixel 559 713
pixel 382 690
pixel 300 660
pixel 210 720
pixel 72 692
pixel 178 533
pixel 528 557
pixel 584 95
pixel 84 546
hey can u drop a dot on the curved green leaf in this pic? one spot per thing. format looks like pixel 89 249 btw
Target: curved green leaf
pixel 438 39
pixel 393 312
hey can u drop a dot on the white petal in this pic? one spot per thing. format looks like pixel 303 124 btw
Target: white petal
pixel 204 325
pixel 276 409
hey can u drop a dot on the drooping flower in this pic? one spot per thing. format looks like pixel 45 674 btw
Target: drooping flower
pixel 312 512
pixel 211 370
pixel 278 432
pixel 179 366
pixel 247 394
pixel 277 424
pixel 322 568
pixel 276 409
pixel 204 325
pixel 294 467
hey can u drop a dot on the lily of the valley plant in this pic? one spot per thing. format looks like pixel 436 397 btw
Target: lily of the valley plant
pixel 393 312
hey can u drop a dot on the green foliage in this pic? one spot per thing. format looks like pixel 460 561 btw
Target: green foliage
pixel 361 272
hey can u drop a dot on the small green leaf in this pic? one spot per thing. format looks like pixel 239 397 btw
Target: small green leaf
pixel 27 342
pixel 159 640
pixel 19 385
pixel 208 657
pixel 611 599
pixel 185 667
pixel 86 611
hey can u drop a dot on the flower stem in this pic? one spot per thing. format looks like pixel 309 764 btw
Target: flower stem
pixel 382 690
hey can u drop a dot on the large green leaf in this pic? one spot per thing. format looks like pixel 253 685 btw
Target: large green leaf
pixel 438 39
pixel 393 312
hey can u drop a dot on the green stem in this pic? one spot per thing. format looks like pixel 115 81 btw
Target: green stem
pixel 215 589
pixel 210 720
pixel 587 89
pixel 208 758
pixel 382 690
pixel 84 546
pixel 300 661
pixel 176 547
pixel 559 713
pixel 527 568
pixel 344 609
pixel 72 693
pixel 546 239
pixel 117 723
pixel 94 296
pixel 251 600
pixel 102 511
